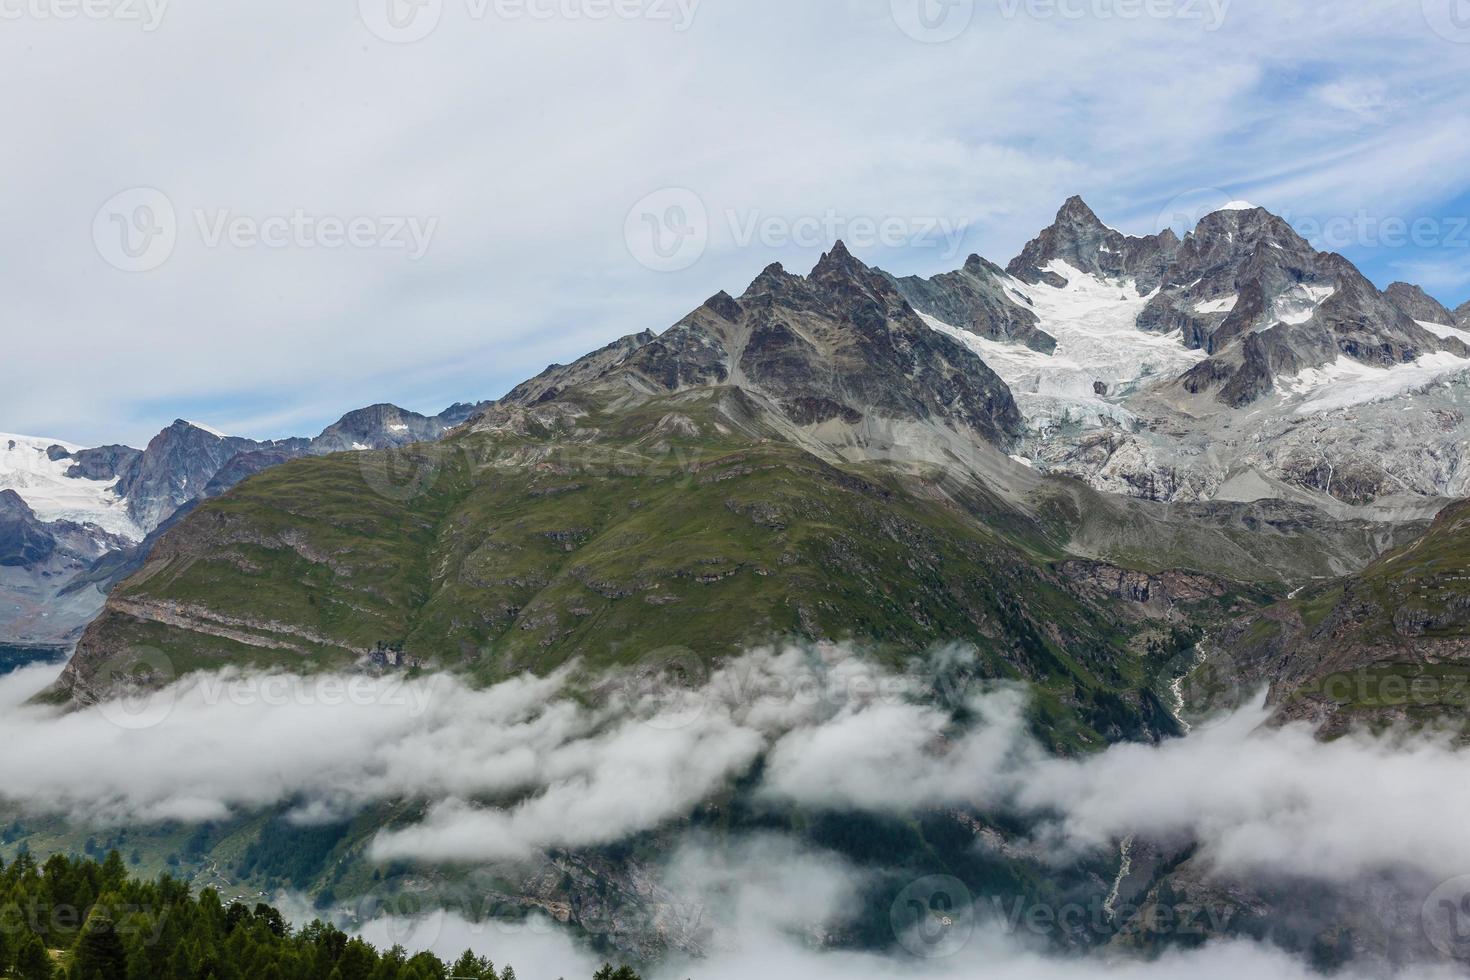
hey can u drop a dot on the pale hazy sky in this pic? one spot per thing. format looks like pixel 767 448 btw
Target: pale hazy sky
pixel 472 180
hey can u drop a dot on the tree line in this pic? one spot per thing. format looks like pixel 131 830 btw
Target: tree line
pixel 81 919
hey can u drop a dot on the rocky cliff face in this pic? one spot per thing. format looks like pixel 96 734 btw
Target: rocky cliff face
pixel 975 299
pixel 174 469
pixel 559 377
pixel 23 539
pixel 378 427
pixel 1252 293
pixel 103 463
pixel 1415 303
pixel 839 348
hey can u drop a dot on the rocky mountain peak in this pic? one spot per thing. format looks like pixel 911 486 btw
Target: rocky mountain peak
pixel 1076 213
pixel 183 428
pixel 975 298
pixel 23 539
pixel 840 259
pixel 843 278
pixel 1462 315
pixel 1077 236
pixel 977 265
pixel 1416 304
pixel 11 505
pixel 1240 230
pixel 834 348
pixel 721 303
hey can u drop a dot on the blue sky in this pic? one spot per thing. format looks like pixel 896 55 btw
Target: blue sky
pixel 499 172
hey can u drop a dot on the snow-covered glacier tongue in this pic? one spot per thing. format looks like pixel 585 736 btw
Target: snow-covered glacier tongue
pixel 1101 356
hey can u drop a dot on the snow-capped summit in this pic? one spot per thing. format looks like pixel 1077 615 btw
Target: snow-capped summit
pixel 1217 366
pixel 46 475
pixel 206 428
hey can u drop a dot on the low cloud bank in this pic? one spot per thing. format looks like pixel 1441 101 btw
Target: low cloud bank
pixel 525 766
pixel 775 899
pixel 520 767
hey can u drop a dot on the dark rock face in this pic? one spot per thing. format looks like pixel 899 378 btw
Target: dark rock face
pixel 974 299
pixel 377 427
pixel 1415 303
pixel 841 343
pixel 23 539
pixel 184 462
pixel 245 465
pixel 1462 315
pixel 175 468
pixel 102 463
pixel 461 412
pixel 1166 588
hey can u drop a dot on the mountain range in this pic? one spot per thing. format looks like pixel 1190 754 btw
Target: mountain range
pixel 73 519
pixel 1142 476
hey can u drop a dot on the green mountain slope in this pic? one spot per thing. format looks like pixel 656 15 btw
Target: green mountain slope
pixel 522 554
pixel 1389 644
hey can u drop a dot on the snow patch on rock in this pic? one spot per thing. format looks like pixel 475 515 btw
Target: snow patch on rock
pixel 42 483
pixel 1217 305
pixel 1346 382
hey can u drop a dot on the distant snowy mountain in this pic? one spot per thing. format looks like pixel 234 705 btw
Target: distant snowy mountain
pixel 70 518
pixel 48 476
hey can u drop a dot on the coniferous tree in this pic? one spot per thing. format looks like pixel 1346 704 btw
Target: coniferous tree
pixel 32 962
pixel 472 967
pixel 100 954
pixel 120 929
